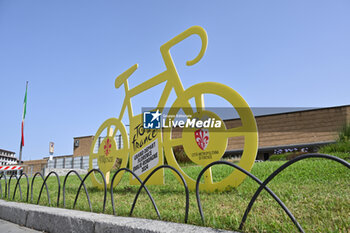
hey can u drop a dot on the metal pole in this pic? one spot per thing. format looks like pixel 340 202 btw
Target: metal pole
pixel 20 158
pixel 20 150
pixel 20 154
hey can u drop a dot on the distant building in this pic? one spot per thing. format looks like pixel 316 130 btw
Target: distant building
pixel 81 145
pixel 30 167
pixel 7 157
pixel 303 131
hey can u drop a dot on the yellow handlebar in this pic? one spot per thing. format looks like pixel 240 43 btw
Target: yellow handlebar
pixel 125 75
pixel 164 49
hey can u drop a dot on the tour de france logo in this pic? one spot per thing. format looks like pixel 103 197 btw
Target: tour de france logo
pixel 144 142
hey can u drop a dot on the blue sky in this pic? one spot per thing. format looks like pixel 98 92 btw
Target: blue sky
pixel 274 53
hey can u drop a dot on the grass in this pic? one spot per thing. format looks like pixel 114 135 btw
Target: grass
pixel 316 191
pixel 345 154
pixel 341 146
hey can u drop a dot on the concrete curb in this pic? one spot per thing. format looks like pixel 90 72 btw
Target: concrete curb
pixel 50 219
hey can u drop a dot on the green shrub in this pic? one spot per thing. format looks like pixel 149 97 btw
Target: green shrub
pixel 340 146
pixel 278 157
pixel 344 134
pixel 286 156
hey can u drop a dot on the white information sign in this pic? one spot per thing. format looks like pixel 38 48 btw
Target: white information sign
pixel 145 159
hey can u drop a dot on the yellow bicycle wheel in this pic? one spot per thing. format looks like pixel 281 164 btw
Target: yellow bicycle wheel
pixel 109 150
pixel 204 146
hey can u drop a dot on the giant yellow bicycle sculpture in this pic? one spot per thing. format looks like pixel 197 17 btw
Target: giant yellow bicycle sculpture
pixel 215 143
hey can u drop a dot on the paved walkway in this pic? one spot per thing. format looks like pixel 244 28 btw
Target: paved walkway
pixel 9 227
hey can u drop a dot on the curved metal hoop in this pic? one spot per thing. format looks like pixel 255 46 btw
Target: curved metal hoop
pixel 150 175
pixel 296 223
pixel 263 185
pixel 20 191
pixel 64 188
pixel 138 178
pixel 59 186
pixel 281 168
pixel 20 186
pixel 105 187
pixel 2 175
pixel 31 187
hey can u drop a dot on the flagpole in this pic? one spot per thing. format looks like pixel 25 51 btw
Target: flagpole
pixel 20 154
pixel 21 145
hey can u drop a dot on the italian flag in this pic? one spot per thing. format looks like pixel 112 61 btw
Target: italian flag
pixel 24 115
